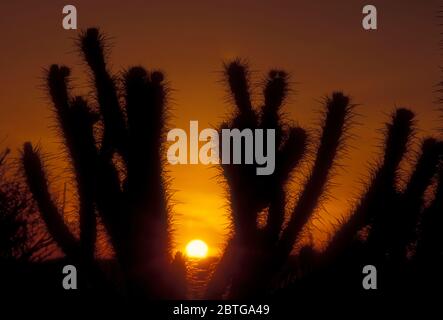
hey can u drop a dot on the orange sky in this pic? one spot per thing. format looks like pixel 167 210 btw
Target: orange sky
pixel 321 43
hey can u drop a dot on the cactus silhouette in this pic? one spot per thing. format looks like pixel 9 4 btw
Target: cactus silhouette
pixel 392 219
pixel 116 155
pixel 429 249
pixel 380 193
pixel 383 206
pixel 428 259
pixel 412 200
pixel 390 216
pixel 254 254
pixel 118 173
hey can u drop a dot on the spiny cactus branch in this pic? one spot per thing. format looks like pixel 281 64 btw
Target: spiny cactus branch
pixel 38 185
pixel 338 112
pixel 381 190
pixel 92 47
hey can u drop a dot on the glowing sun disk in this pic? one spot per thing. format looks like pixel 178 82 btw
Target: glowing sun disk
pixel 196 249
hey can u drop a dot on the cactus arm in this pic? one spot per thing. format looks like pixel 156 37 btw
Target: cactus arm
pixel 412 200
pixel 430 241
pixel 338 110
pixel 237 76
pixel 38 185
pixel 145 96
pixel 76 125
pixel 84 156
pixel 380 192
pixel 92 47
pixel 275 93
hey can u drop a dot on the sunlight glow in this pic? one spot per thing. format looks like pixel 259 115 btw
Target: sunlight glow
pixel 197 249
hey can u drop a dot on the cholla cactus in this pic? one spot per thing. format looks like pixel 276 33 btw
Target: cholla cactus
pixel 381 191
pixel 430 240
pixel 133 204
pixel 384 229
pixel 254 254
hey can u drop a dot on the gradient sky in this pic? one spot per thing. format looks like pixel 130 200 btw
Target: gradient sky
pixel 321 44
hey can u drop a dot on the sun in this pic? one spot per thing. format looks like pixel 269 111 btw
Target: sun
pixel 196 249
